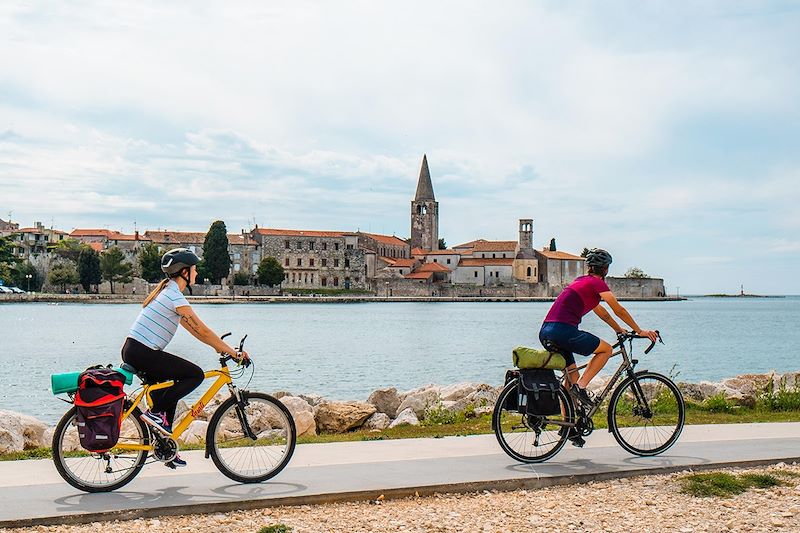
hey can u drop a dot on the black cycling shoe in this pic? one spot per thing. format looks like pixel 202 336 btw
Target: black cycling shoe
pixel 582 395
pixel 573 436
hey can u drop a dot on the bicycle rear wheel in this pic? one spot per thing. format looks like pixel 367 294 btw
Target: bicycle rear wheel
pixel 530 438
pixel 253 443
pixel 647 418
pixel 99 472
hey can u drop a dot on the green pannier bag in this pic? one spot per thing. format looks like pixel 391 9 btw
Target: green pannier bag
pixel 68 382
pixel 525 357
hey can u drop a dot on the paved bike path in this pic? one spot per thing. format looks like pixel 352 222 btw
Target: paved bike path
pixel 32 492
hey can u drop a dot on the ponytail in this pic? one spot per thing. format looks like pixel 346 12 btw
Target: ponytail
pixel 158 289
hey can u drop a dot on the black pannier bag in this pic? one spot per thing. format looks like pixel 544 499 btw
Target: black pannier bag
pixel 99 401
pixel 512 401
pixel 538 392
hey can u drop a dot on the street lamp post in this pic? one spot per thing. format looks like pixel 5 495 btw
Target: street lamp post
pixel 515 291
pixel 387 289
pixel 28 277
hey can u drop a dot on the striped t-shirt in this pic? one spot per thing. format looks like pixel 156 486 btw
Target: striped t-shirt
pixel 157 323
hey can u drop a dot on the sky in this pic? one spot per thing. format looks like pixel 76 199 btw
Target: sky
pixel 667 133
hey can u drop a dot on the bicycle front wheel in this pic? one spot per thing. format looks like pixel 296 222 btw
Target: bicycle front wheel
pixel 99 472
pixel 531 438
pixel 253 441
pixel 646 414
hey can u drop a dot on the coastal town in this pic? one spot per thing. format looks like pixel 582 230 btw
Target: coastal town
pixel 329 261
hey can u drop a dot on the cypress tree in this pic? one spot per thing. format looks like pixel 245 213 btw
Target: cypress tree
pixel 215 252
pixel 88 268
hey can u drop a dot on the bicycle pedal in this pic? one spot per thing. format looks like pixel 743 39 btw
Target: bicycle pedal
pixel 170 465
pixel 578 442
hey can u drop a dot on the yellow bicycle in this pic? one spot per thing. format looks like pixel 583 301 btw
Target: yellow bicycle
pixel 250 437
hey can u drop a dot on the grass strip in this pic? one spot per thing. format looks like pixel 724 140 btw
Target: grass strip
pixel 724 485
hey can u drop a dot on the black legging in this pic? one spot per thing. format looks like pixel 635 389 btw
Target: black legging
pixel 163 366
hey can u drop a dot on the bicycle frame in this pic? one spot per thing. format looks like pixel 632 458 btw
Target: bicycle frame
pixel 627 365
pixel 223 378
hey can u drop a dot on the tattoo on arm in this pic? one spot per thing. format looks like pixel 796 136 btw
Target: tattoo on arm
pixel 192 324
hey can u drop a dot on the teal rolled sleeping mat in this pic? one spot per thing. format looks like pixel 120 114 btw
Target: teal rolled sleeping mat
pixel 68 382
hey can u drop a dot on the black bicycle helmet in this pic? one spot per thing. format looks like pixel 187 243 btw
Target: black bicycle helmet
pixel 597 257
pixel 176 260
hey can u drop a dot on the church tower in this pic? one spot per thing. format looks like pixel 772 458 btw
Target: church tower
pixel 526 234
pixel 425 212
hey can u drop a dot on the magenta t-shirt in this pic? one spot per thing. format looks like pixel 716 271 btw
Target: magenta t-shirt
pixel 580 297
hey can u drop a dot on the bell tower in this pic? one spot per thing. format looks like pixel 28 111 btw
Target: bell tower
pixel 425 212
pixel 526 234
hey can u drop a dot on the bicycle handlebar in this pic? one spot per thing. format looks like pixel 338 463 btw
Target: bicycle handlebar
pixel 230 357
pixel 629 335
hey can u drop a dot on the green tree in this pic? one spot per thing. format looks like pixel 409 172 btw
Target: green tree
pixel 636 272
pixel 215 252
pixel 63 273
pixel 7 259
pixel 69 249
pixel 150 263
pixel 270 272
pixel 241 278
pixel 89 268
pixel 553 244
pixel 19 277
pixel 114 268
pixel 202 273
pixel 442 244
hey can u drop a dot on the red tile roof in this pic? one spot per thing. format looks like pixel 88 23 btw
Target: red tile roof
pixel 386 239
pixel 396 262
pixel 473 262
pixel 96 246
pixel 432 267
pixel 123 237
pixel 560 255
pixel 299 233
pixel 91 233
pixel 419 275
pixel 418 251
pixel 493 246
pixel 239 239
pixel 442 252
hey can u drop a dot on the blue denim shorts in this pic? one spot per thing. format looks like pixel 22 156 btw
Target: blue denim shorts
pixel 570 339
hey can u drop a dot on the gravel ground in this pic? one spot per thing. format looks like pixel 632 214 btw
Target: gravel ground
pixel 638 504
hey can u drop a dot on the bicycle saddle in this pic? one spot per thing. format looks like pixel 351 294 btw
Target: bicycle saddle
pixel 141 375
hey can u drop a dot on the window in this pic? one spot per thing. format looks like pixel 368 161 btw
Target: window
pixel 401 271
pixel 494 256
pixel 336 263
pixel 349 246
pixel 299 262
pixel 504 256
pixel 311 262
pixel 335 282
pixel 496 274
pixel 324 282
pixel 324 245
pixel 529 272
pixel 448 261
pixel 483 256
pixel 293 277
pixel 476 273
pixel 306 277
pixel 324 262
pixel 435 260
pixel 347 263
pixel 286 262
pixel 310 245
pixel 299 245
pixel 312 278
pixel 288 245
pixel 336 246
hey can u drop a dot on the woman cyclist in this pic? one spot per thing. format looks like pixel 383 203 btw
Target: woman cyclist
pixel 162 311
pixel 560 326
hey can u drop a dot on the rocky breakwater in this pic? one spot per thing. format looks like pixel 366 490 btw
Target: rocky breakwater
pixel 387 408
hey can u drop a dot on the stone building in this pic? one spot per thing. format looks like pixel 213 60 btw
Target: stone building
pixel 166 240
pixel 637 287
pixel 424 212
pixel 558 269
pixel 32 242
pixel 245 253
pixel 6 228
pixel 316 259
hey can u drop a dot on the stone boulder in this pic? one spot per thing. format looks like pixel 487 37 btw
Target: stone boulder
pixel 453 393
pixel 420 400
pixel 405 417
pixel 302 413
pixel 483 396
pixel 385 401
pixel 338 417
pixel 19 431
pixel 71 442
pixel 312 399
pixel 378 421
pixel 195 433
pixel 280 394
pixel 699 392
pixel 746 387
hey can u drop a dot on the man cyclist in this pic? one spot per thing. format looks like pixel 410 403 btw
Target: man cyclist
pixel 162 311
pixel 560 326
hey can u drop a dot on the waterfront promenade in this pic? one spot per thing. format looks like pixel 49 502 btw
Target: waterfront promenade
pixel 33 493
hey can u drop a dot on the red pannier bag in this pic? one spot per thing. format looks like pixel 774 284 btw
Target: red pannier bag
pixel 99 401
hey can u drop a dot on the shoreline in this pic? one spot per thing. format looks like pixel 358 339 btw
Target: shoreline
pixel 130 299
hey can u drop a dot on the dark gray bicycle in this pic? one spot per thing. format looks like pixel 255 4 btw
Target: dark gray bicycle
pixel 646 413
